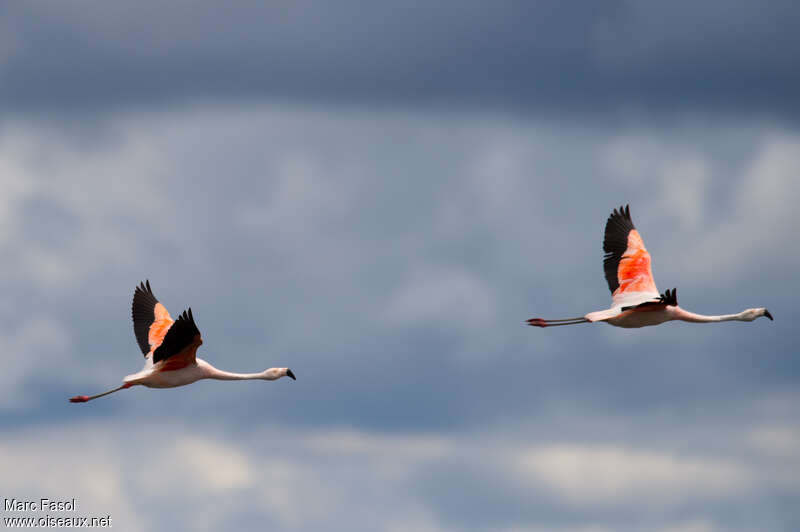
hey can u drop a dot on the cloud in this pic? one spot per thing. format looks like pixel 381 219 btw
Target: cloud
pixel 300 479
pixel 289 480
pixel 547 57
pixel 777 440
pixel 213 465
pixel 718 218
pixel 677 177
pixel 78 202
pixel 33 349
pixel 689 526
pixel 370 252
pixel 760 214
pixel 325 248
pixel 446 295
pixel 301 196
pixel 610 475
pixel 81 465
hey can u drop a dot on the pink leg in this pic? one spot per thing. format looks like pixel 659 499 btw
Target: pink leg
pixel 541 322
pixel 84 398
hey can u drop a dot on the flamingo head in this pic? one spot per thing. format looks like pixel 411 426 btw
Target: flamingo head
pixel 753 313
pixel 276 373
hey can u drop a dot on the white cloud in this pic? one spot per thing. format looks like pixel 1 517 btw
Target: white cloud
pixel 418 521
pixel 616 475
pixel 307 479
pixel 780 441
pixel 698 525
pixel 379 446
pixel 92 203
pixel 35 348
pixel 673 178
pixel 62 464
pixel 497 174
pixel 718 221
pixel 300 195
pixel 210 465
pixel 291 479
pixel 442 295
pixel 760 222
pixel 560 528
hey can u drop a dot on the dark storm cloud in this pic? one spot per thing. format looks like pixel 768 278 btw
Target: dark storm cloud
pixel 544 56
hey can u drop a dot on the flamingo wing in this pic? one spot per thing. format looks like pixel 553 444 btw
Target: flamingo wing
pixel 179 346
pixel 150 318
pixel 666 299
pixel 627 262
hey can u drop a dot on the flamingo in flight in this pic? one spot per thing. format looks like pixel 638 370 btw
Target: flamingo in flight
pixel 635 298
pixel 169 348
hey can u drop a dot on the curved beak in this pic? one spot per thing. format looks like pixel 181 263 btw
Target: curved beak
pixel 290 374
pixel 767 314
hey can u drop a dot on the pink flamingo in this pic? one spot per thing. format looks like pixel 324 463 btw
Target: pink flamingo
pixel 169 348
pixel 635 298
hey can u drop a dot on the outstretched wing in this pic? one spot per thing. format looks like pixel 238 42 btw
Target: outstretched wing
pixel 668 298
pixel 180 344
pixel 627 262
pixel 150 318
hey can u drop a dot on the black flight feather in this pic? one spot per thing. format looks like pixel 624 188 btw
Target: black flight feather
pixel 670 298
pixel 615 243
pixel 180 335
pixel 667 298
pixel 143 314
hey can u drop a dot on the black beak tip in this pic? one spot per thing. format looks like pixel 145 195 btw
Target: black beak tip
pixel 290 374
pixel 767 314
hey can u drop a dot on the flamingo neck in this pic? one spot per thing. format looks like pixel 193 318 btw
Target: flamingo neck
pixel 220 375
pixel 210 372
pixel 685 315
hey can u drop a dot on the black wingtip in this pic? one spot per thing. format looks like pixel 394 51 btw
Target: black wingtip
pixel 142 313
pixel 186 315
pixel 624 211
pixel 182 333
pixel 144 287
pixel 670 297
pixel 767 314
pixel 615 242
pixel 289 373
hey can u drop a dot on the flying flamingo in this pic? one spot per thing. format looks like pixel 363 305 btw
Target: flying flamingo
pixel 635 298
pixel 170 347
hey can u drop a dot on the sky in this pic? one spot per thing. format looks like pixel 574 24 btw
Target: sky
pixel 378 196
